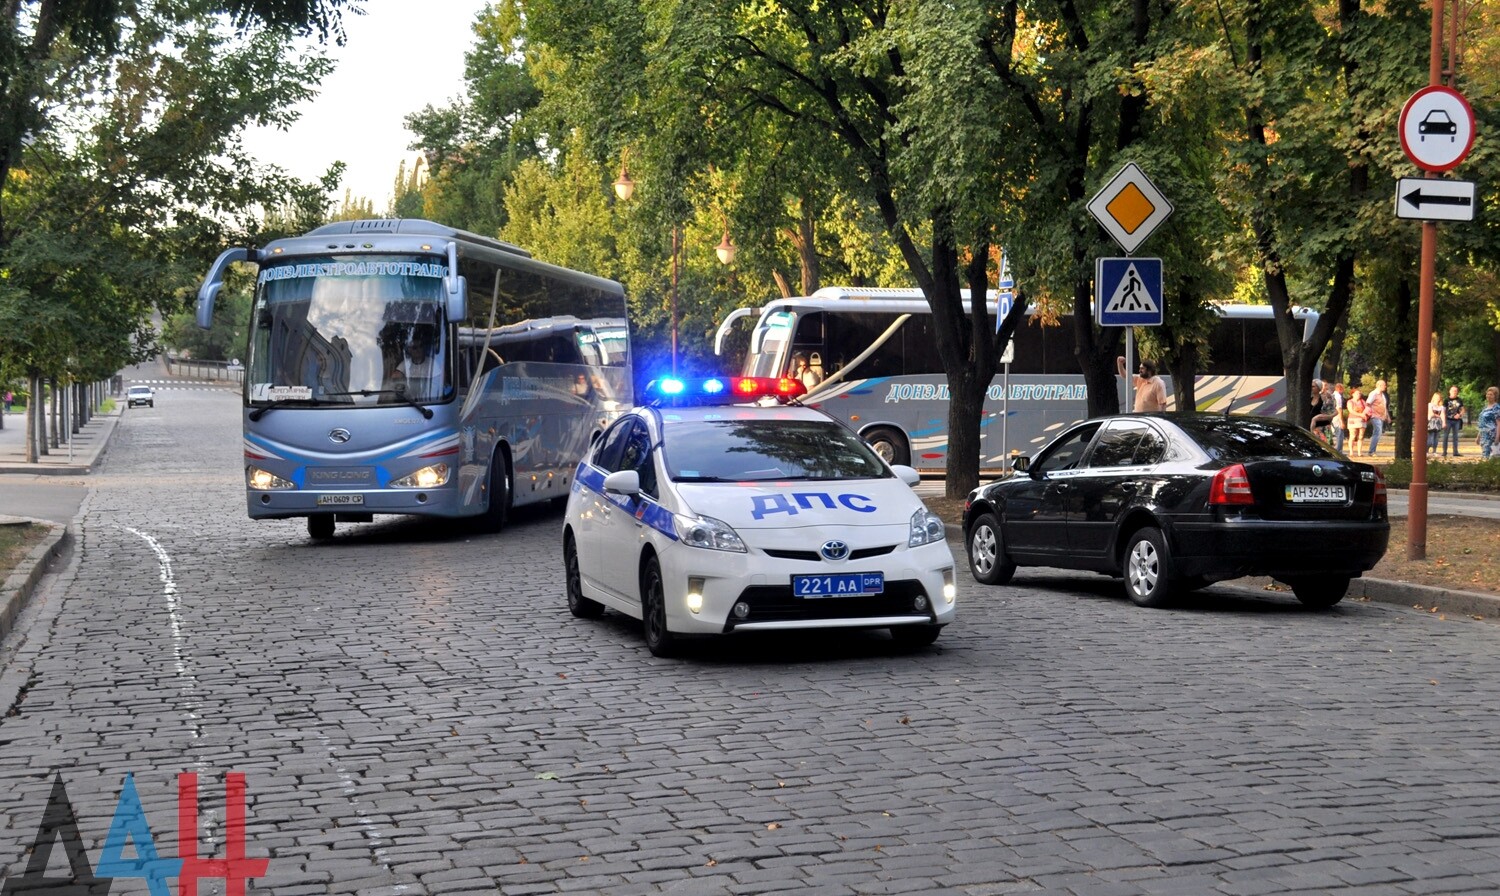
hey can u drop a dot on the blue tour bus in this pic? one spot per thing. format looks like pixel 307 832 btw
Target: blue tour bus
pixel 400 366
pixel 876 350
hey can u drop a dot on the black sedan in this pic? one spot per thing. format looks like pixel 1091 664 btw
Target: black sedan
pixel 1174 502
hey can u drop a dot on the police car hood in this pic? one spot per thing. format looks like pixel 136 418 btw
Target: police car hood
pixel 802 504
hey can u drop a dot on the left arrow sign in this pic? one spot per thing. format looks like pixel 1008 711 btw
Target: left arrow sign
pixel 1431 199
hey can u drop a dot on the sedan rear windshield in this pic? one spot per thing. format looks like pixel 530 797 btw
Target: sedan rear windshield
pixel 1238 439
pixel 766 450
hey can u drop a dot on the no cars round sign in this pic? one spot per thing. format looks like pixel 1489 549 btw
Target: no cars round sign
pixel 1437 128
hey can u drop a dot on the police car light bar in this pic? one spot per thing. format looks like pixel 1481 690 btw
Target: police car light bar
pixel 723 390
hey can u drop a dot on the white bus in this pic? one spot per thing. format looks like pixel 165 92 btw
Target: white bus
pixel 404 367
pixel 878 355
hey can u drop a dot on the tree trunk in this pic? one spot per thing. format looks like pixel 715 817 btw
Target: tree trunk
pixel 1403 409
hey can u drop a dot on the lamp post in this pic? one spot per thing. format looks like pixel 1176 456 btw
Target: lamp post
pixel 624 189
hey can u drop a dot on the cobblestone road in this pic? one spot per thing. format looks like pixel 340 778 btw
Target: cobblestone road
pixel 416 712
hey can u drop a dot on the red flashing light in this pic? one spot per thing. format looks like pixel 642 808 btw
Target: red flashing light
pixel 1231 485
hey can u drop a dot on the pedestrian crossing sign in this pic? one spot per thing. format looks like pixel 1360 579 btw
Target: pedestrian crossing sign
pixel 1128 292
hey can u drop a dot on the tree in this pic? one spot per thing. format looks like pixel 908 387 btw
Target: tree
pixel 121 164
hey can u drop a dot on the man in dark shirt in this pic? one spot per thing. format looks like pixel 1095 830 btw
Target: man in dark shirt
pixel 1453 410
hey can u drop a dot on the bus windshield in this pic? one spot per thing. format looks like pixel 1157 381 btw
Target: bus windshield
pixel 349 329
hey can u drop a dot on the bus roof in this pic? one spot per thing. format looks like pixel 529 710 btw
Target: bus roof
pixel 413 227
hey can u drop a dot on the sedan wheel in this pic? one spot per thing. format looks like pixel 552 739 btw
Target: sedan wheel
pixel 578 605
pixel 1319 592
pixel 987 559
pixel 1148 570
pixel 654 612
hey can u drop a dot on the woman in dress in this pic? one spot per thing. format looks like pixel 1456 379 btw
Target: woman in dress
pixel 1435 423
pixel 1358 413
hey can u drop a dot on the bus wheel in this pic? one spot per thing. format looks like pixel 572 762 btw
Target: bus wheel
pixel 889 444
pixel 498 507
pixel 320 527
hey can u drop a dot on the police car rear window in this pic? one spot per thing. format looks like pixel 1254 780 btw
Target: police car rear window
pixel 766 450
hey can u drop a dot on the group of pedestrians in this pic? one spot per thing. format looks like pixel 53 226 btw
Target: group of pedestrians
pixel 1445 420
pixel 1361 419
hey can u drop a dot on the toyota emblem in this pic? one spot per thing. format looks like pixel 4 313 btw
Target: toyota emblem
pixel 834 550
pixel 338 436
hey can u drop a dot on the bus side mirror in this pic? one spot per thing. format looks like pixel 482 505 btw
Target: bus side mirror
pixel 456 286
pixel 213 281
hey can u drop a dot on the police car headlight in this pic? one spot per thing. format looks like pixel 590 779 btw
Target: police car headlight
pixel 707 532
pixel 265 480
pixel 926 528
pixel 427 477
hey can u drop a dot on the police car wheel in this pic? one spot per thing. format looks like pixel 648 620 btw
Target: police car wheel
pixel 578 605
pixel 654 611
pixel 915 635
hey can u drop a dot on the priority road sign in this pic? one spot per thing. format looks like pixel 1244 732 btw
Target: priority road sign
pixel 1437 128
pixel 1430 199
pixel 1130 207
pixel 1128 292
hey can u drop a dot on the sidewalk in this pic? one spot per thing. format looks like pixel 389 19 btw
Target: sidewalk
pixel 88 445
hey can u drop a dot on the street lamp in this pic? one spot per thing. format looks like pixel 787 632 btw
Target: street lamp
pixel 624 186
pixel 725 250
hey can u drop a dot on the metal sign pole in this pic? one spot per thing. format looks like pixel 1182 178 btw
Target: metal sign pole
pixel 1129 370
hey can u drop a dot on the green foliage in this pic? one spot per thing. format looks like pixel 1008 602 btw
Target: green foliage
pixel 1482 476
pixel 117 198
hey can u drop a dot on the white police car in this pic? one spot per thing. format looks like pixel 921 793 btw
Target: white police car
pixel 704 520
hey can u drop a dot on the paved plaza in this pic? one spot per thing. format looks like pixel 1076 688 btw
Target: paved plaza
pixel 415 712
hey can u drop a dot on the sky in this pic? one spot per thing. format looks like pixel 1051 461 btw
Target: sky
pixel 357 116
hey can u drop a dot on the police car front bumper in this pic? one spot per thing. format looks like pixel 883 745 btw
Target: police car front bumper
pixel 715 592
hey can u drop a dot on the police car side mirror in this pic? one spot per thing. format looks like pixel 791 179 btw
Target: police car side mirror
pixel 906 474
pixel 623 482
pixel 1021 463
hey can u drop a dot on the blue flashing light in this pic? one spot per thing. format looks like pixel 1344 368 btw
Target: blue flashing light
pixel 670 385
pixel 713 386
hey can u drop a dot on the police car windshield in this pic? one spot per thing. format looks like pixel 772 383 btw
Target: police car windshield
pixel 766 450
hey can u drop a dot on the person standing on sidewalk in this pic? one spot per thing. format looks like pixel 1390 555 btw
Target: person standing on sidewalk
pixel 1489 422
pixel 1358 412
pixel 1436 423
pixel 1340 426
pixel 10 399
pixel 1453 410
pixel 1378 408
pixel 1150 389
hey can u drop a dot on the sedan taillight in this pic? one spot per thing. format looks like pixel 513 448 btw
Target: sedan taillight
pixel 1380 500
pixel 1231 485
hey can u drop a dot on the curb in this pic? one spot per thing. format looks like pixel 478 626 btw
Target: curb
pixel 20 585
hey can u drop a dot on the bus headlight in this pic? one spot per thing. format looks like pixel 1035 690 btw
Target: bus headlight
pixel 264 480
pixel 926 528
pixel 427 477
